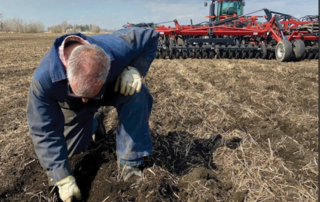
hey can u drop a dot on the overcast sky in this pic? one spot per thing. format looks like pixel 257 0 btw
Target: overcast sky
pixel 112 14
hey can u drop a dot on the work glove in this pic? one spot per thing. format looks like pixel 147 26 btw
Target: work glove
pixel 129 81
pixel 68 189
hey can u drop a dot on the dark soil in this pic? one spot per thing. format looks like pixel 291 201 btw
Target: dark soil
pixel 98 178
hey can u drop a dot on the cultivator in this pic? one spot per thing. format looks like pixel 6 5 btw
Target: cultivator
pixel 230 34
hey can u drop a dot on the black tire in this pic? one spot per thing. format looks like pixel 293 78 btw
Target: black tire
pixel 304 56
pixel 271 55
pixel 230 51
pixel 164 54
pixel 157 55
pixel 171 54
pixel 223 51
pixel 298 49
pixel 243 51
pixel 177 55
pixel 184 54
pixel 211 54
pixel 250 51
pixel 256 52
pixel 283 51
pixel 190 54
pixel 315 52
pixel 264 51
pixel 311 55
pixel 218 51
pixel 190 51
pixel 204 54
pixel 237 52
pixel 307 52
pixel 197 54
pixel 271 52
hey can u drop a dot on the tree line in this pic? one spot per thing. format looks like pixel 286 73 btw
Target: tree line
pixel 64 27
pixel 18 25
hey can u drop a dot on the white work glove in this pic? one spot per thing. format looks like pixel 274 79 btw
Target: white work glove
pixel 68 189
pixel 129 81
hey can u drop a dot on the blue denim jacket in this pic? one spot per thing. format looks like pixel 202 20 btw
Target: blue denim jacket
pixel 131 46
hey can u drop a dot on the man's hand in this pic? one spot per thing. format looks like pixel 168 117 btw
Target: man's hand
pixel 68 189
pixel 129 81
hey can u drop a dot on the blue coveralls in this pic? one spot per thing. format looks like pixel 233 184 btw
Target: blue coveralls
pixel 61 126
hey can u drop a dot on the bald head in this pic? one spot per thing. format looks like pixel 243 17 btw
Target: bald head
pixel 88 67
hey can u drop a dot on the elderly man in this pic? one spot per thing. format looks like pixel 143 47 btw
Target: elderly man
pixel 77 76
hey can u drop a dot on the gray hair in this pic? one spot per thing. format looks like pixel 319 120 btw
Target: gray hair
pixel 88 67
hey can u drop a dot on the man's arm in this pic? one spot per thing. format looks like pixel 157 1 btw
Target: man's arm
pixel 143 43
pixel 46 126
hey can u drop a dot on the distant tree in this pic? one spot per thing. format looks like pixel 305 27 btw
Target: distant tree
pixel 86 27
pixel 34 27
pixel 95 29
pixel 55 29
pixel 13 25
pixel 64 26
pixel 17 25
pixel 70 26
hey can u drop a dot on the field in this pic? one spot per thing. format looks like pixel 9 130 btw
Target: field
pixel 223 130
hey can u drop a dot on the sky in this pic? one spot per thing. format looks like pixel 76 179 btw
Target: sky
pixel 113 14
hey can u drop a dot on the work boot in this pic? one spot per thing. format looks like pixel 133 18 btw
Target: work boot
pixel 131 174
pixel 101 130
pixel 128 171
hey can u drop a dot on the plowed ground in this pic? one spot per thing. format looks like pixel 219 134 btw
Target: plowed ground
pixel 223 130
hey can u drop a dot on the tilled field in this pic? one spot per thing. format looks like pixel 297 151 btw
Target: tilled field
pixel 223 130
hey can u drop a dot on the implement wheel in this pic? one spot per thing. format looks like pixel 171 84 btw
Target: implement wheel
pixel 243 51
pixel 190 51
pixel 283 51
pixel 310 55
pixel 211 54
pixel 184 54
pixel 315 52
pixel 271 53
pixel 230 51
pixel 236 52
pixel 196 54
pixel 164 54
pixel 218 51
pixel 256 52
pixel 177 54
pixel 171 54
pixel 223 51
pixel 298 49
pixel 250 51
pixel 204 53
pixel 264 51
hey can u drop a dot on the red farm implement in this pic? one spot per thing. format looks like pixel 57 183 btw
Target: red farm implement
pixel 230 34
